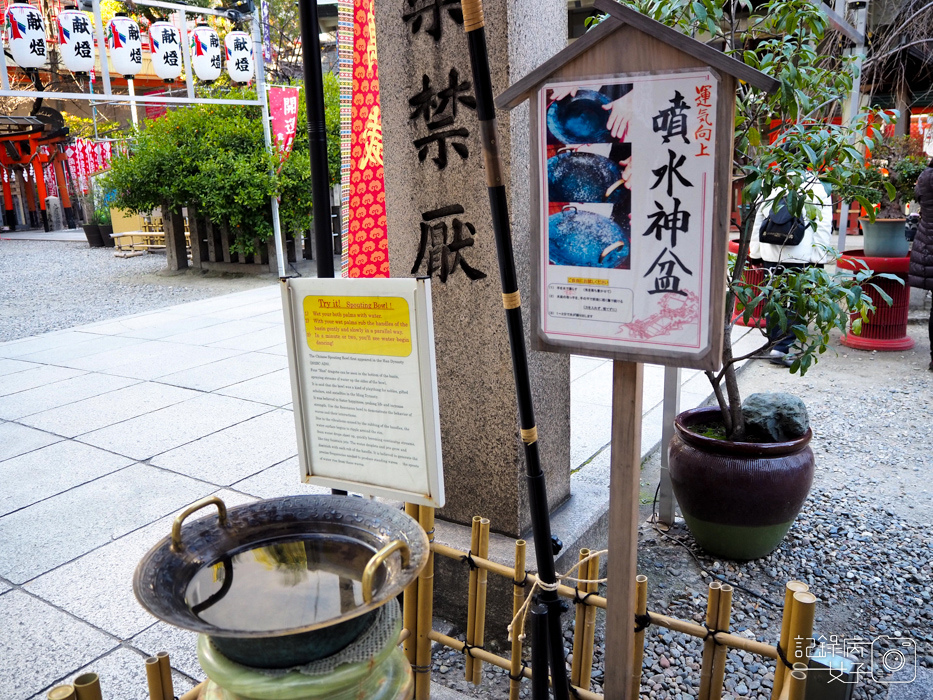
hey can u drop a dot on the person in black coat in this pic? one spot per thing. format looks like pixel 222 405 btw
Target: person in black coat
pixel 920 274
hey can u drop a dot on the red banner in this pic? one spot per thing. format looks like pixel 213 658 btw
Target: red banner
pixel 283 108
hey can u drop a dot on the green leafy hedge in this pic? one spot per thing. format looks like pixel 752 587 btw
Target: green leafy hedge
pixel 214 156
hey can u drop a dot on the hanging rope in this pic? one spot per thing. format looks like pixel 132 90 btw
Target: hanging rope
pixel 552 587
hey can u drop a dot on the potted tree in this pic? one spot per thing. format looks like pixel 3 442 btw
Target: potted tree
pixel 742 470
pixel 103 219
pixel 890 178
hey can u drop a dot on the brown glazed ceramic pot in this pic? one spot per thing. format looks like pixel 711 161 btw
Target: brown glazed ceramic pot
pixel 739 499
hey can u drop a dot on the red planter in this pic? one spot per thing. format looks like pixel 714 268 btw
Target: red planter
pixel 886 328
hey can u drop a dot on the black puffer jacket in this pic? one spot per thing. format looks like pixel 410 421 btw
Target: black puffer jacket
pixel 921 255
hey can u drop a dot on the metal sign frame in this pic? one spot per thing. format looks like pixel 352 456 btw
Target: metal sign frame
pixel 181 21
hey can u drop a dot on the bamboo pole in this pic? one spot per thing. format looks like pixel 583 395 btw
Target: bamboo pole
pixel 195 692
pixel 64 692
pixel 87 687
pixel 502 663
pixel 641 607
pixel 479 627
pixel 518 599
pixel 579 614
pixel 719 653
pixel 589 624
pixel 410 601
pixel 709 645
pixel 801 625
pixel 474 25
pixel 165 670
pixel 790 588
pixel 403 636
pixel 797 682
pixel 471 599
pixel 425 612
pixel 154 678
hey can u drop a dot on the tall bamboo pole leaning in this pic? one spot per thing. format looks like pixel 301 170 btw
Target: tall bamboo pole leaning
pixel 641 608
pixel 410 602
pixel 480 626
pixel 471 599
pixel 589 625
pixel 518 599
pixel 709 646
pixel 579 615
pixel 473 23
pixel 723 622
pixel 780 669
pixel 425 612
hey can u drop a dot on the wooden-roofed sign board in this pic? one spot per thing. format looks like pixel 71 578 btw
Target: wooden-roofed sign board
pixel 632 130
pixel 361 361
pixel 626 210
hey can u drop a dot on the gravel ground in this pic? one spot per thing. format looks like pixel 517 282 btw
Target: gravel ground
pixel 862 540
pixel 50 285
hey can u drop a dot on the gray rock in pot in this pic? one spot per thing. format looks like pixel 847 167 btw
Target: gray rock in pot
pixel 776 416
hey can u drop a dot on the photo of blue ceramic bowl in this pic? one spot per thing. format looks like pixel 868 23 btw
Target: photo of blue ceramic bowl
pixel 585 239
pixel 582 177
pixel 580 119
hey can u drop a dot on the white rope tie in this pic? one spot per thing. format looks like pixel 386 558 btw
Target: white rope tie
pixel 520 615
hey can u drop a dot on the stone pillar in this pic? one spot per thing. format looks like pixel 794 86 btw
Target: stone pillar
pixel 439 224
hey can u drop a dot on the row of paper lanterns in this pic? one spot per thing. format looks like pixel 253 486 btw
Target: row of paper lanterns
pixel 25 33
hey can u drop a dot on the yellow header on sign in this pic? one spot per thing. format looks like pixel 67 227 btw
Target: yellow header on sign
pixel 358 325
pixel 587 280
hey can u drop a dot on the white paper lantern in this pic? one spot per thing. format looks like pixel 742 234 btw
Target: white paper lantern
pixel 76 41
pixel 239 50
pixel 26 35
pixel 167 60
pixel 205 53
pixel 125 46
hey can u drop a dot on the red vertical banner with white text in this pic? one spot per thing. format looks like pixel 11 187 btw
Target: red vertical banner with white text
pixel 283 109
pixel 367 244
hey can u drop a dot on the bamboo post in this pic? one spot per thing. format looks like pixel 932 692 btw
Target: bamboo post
pixel 801 625
pixel 165 670
pixel 410 602
pixel 589 626
pixel 641 608
pixel 579 614
pixel 779 670
pixel 797 682
pixel 64 692
pixel 480 626
pixel 425 612
pixel 518 599
pixel 471 599
pixel 87 687
pixel 154 678
pixel 709 646
pixel 719 653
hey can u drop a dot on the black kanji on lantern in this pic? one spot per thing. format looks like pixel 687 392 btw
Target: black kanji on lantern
pixel 239 44
pixel 132 33
pixel 214 41
pixel 419 8
pixel 136 56
pixel 79 25
pixel 443 250
pixel 215 61
pixel 34 22
pixel 670 171
pixel 170 58
pixel 242 63
pixel 37 47
pixel 667 280
pixel 169 36
pixel 672 222
pixel 83 49
pixel 672 121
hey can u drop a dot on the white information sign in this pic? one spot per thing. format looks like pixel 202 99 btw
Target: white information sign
pixel 627 206
pixel 361 359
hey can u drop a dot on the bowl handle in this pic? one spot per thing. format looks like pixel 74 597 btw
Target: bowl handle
pixel 377 560
pixel 197 505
